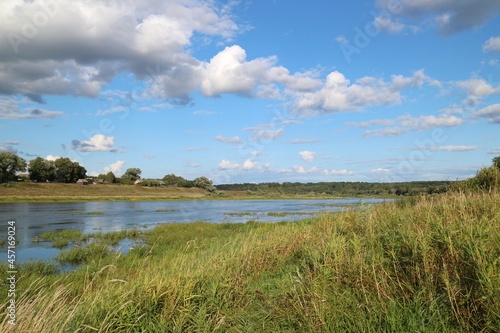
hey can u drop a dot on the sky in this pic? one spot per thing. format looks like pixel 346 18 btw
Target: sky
pixel 254 91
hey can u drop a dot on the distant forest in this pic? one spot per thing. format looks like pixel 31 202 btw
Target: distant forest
pixel 341 188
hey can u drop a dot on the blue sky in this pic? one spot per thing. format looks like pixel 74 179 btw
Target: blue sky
pixel 242 91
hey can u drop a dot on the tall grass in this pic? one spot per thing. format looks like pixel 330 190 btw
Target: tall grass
pixel 422 266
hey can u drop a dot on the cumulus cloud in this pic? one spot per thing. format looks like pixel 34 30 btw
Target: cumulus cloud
pixel 308 156
pixel 116 168
pixel 477 89
pixel 492 45
pixel 98 142
pixel 449 16
pixel 229 72
pixel 225 139
pixel 75 47
pixel 301 169
pixel 338 94
pixel 52 157
pixel 492 113
pixel 247 165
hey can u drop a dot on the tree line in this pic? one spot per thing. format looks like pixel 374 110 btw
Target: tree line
pixel 340 188
pixel 63 170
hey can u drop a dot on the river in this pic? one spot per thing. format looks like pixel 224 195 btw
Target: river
pixel 33 219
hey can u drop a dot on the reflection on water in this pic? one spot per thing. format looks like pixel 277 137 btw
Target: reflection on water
pixel 33 219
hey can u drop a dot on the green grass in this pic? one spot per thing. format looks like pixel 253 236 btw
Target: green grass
pixel 165 210
pixel 240 214
pixel 62 238
pixel 422 265
pixel 280 214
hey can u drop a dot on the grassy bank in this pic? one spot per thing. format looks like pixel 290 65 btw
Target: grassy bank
pixel 426 265
pixel 58 192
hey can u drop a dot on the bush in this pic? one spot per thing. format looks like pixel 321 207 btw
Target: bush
pixel 485 179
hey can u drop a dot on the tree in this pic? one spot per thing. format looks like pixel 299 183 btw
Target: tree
pixel 68 171
pixel 176 180
pixel 131 175
pixel 496 162
pixel 110 177
pixel 42 170
pixel 204 183
pixel 10 164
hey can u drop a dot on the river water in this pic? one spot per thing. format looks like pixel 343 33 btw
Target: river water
pixel 33 219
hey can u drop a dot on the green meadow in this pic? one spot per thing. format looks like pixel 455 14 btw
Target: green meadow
pixel 429 264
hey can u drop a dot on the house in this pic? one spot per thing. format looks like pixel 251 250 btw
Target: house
pixel 137 181
pixel 82 182
pixel 90 181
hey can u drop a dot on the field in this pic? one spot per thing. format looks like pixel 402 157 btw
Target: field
pixel 428 264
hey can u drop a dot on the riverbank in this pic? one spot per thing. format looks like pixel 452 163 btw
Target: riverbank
pixel 423 265
pixel 58 192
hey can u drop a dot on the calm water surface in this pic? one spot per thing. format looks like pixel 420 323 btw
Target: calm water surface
pixel 33 219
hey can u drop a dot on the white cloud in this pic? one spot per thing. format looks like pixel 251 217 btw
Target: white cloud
pixel 492 45
pixel 338 94
pixel 52 157
pixel 116 168
pixel 10 109
pixel 477 89
pixel 450 16
pixel 343 172
pixel 147 38
pixel 407 124
pixel 341 39
pixel 491 112
pixel 380 170
pixel 448 148
pixel 225 139
pixel 256 153
pixel 98 142
pixel 268 134
pixel 149 156
pixel 229 72
pixel 111 110
pixel 495 151
pixel 247 165
pixel 308 156
pixel 388 24
pixel 301 169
